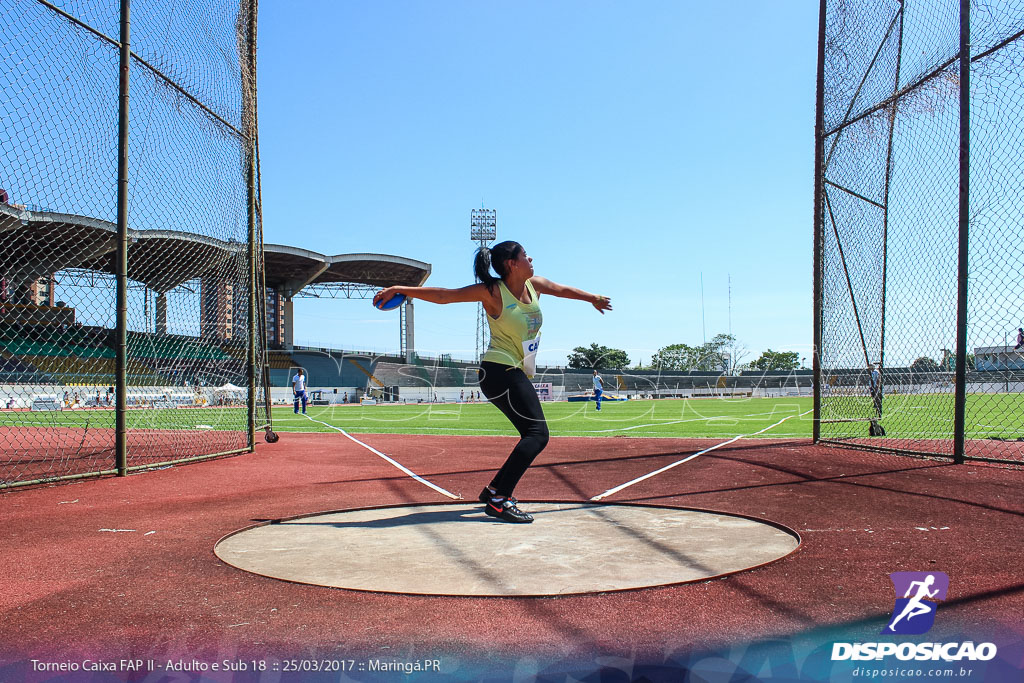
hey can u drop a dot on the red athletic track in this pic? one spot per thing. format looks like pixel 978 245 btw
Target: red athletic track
pixel 72 589
pixel 33 453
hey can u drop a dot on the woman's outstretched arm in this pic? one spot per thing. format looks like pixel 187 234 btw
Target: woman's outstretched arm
pixel 546 286
pixel 437 295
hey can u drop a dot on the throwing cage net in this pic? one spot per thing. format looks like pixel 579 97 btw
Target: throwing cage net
pixel 919 263
pixel 131 331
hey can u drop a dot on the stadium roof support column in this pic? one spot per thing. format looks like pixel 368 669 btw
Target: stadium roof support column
pixel 289 323
pixel 161 313
pixel 121 266
pixel 410 338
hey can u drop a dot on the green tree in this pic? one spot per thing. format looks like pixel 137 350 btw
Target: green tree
pixel 597 357
pixel 925 364
pixel 674 357
pixel 714 355
pixel 710 356
pixel 777 360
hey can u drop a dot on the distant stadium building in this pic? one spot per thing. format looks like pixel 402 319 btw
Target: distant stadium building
pixel 998 359
pixel 275 319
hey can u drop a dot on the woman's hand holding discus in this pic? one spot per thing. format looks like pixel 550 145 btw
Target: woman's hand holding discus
pixel 389 298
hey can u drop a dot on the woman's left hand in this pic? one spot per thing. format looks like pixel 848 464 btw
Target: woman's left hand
pixel 602 303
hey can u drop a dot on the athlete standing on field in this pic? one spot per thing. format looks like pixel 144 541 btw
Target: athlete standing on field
pixel 598 389
pixel 299 390
pixel 514 319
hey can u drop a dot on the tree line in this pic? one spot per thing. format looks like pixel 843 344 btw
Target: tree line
pixel 722 354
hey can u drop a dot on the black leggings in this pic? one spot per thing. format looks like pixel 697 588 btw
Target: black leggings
pixel 512 392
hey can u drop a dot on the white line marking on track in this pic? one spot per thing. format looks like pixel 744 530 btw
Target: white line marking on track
pixel 655 424
pixel 405 469
pixel 618 488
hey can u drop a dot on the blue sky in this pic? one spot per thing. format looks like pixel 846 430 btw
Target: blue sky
pixel 632 148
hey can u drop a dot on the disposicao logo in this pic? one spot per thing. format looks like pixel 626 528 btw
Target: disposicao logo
pixel 917 597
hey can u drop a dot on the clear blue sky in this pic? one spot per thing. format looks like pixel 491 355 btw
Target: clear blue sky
pixel 630 147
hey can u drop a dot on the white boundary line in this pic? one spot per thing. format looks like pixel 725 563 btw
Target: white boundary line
pixel 618 488
pixel 405 469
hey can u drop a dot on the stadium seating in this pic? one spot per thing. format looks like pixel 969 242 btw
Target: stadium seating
pixel 416 375
pixel 332 369
pixel 16 371
pixel 279 360
pixel 172 346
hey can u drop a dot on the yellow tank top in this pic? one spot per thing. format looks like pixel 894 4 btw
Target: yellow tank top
pixel 518 323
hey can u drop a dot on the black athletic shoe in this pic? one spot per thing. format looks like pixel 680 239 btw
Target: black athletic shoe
pixel 486 495
pixel 508 512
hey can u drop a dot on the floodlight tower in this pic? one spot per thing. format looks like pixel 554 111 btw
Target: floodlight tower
pixel 483 229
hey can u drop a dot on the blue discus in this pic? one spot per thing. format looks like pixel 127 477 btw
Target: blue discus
pixel 393 302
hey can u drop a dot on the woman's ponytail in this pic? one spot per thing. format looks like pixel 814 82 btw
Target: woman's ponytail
pixel 482 267
pixel 497 256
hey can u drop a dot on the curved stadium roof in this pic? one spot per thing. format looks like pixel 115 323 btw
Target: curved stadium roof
pixel 40 243
pixel 289 269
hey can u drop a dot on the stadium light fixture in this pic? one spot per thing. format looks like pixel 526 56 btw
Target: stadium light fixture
pixel 483 229
pixel 483 225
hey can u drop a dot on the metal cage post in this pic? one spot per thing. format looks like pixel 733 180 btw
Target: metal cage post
pixel 960 412
pixel 121 350
pixel 819 240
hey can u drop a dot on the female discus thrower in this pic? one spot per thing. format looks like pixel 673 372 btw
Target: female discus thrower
pixel 514 318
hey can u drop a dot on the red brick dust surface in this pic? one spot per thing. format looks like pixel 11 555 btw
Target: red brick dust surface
pixel 125 567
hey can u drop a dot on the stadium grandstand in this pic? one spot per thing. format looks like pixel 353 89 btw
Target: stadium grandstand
pixel 50 348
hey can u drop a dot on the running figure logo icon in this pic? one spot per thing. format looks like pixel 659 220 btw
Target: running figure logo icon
pixel 917 595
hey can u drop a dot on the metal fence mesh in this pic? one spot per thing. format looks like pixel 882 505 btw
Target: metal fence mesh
pixel 888 224
pixel 191 146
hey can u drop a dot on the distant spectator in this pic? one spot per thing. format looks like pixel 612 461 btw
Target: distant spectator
pixel 462 396
pixel 299 391
pixel 344 399
pixel 1020 338
pixel 598 388
pixel 4 199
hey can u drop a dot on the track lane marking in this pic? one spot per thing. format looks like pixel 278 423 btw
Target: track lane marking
pixel 397 464
pixel 620 487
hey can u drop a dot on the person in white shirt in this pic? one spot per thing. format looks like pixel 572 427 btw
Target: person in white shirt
pixel 598 389
pixel 299 389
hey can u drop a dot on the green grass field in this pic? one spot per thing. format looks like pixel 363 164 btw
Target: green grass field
pixel 664 418
pixel 910 416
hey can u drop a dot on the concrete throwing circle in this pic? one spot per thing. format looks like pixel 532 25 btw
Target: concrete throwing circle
pixel 455 549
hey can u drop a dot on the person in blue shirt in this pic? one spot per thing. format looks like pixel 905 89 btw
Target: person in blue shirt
pixel 299 389
pixel 598 389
